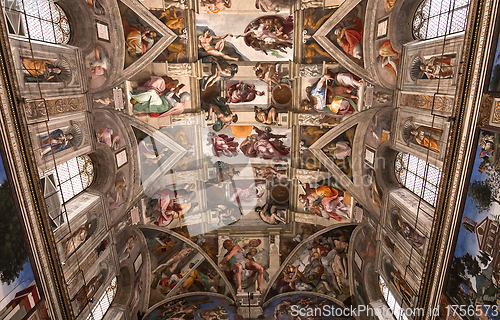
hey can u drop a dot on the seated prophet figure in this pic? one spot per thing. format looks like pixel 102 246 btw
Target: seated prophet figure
pixel 343 100
pixel 138 42
pixel 158 97
pixel 241 265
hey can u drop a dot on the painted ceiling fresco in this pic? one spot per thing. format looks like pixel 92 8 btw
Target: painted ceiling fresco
pixel 219 159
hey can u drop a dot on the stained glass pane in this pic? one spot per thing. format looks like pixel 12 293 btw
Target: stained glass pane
pixel 67 190
pixel 48 31
pixel 420 170
pixel 44 10
pixel 100 308
pixel 410 181
pixel 73 168
pixel 459 19
pixel 413 165
pixel 77 186
pixel 72 177
pixel 446 6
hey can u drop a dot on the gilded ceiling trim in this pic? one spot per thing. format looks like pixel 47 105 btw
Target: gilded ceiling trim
pixel 461 142
pixel 23 169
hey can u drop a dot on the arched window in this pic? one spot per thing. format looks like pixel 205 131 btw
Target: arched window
pixel 435 18
pixel 418 176
pixel 72 177
pixel 100 308
pixel 37 19
pixel 391 301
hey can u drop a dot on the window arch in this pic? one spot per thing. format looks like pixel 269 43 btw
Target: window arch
pixel 418 176
pixel 72 177
pixel 41 20
pixel 100 308
pixel 391 300
pixel 438 18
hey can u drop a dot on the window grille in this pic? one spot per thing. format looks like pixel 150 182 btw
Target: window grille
pixel 397 311
pixel 418 176
pixel 438 18
pixel 41 20
pixel 72 177
pixel 100 308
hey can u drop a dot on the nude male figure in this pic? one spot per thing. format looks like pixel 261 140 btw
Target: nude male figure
pixel 205 42
pixel 225 117
pixel 175 259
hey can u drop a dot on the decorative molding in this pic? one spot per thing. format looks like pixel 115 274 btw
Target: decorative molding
pixel 495 113
pixel 306 4
pixel 313 119
pixel 39 108
pixel 310 70
pixel 429 102
pixel 180 69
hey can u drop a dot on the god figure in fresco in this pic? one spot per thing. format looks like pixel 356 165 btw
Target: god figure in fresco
pixel 269 33
pixel 265 145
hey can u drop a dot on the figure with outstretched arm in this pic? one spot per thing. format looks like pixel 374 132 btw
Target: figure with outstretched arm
pixel 205 42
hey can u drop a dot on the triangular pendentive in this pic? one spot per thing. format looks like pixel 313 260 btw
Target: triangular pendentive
pixel 138 52
pixel 346 36
pixel 157 154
